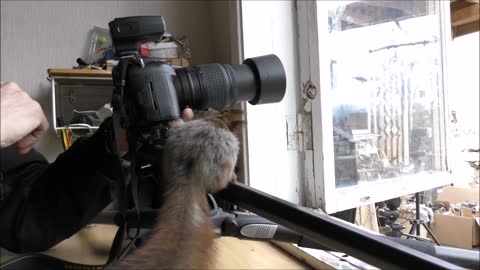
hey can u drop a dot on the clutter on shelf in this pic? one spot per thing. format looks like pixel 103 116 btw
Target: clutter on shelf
pixel 100 45
pixel 170 49
pixel 101 54
pixel 83 123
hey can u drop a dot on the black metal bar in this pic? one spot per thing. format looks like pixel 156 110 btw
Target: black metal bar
pixel 332 233
pixel 417 213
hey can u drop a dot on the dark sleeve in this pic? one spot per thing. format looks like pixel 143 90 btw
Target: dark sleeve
pixel 47 203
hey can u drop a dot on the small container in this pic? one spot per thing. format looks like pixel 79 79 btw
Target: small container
pixel 100 42
pixel 160 50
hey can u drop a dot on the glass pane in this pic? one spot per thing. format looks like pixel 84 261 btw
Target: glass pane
pixel 386 84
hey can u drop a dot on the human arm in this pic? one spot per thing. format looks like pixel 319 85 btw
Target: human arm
pixel 41 203
pixel 47 203
pixel 23 121
pixel 50 202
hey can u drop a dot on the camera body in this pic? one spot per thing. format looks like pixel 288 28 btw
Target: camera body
pixel 149 92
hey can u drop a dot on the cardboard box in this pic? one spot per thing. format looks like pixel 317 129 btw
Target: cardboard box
pixel 457 231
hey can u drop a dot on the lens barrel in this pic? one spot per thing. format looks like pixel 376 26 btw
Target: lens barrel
pixel 258 80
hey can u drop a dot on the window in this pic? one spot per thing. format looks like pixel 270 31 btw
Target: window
pixel 378 117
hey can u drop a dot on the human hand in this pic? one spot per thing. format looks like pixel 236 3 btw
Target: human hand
pixel 187 115
pixel 23 121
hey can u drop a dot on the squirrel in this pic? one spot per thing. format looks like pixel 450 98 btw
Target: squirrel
pixel 199 156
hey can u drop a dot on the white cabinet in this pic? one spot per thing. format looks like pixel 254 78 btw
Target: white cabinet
pixel 79 98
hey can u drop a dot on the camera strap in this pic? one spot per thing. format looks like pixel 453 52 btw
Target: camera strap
pixel 119 115
pixel 118 110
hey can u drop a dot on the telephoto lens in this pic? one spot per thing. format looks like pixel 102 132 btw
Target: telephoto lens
pixel 259 80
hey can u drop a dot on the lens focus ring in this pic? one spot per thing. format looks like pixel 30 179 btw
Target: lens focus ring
pixel 215 79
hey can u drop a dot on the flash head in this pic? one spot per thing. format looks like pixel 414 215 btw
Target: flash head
pixel 129 32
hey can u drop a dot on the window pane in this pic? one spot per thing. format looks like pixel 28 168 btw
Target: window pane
pixel 386 84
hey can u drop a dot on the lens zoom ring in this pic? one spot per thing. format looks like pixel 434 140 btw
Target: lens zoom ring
pixel 215 78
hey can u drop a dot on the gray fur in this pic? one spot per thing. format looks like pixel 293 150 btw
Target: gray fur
pixel 198 156
pixel 202 149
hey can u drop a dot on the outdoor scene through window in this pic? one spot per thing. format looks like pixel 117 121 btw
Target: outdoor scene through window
pixel 386 84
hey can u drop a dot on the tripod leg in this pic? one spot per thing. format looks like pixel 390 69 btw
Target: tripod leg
pixel 431 234
pixel 412 230
pixel 417 212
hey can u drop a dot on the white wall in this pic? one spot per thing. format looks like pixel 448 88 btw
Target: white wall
pixel 37 35
pixel 270 27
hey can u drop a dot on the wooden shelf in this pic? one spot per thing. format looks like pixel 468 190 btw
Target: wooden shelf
pixel 81 76
pixel 79 72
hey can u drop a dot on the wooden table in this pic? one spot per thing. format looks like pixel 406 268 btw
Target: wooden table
pixel 91 245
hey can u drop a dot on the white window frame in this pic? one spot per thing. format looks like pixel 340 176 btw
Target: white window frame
pixel 319 165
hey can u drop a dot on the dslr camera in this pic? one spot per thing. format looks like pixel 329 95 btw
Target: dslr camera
pixel 149 92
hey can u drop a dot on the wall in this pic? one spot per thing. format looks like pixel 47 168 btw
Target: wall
pixel 270 27
pixel 226 31
pixel 37 35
